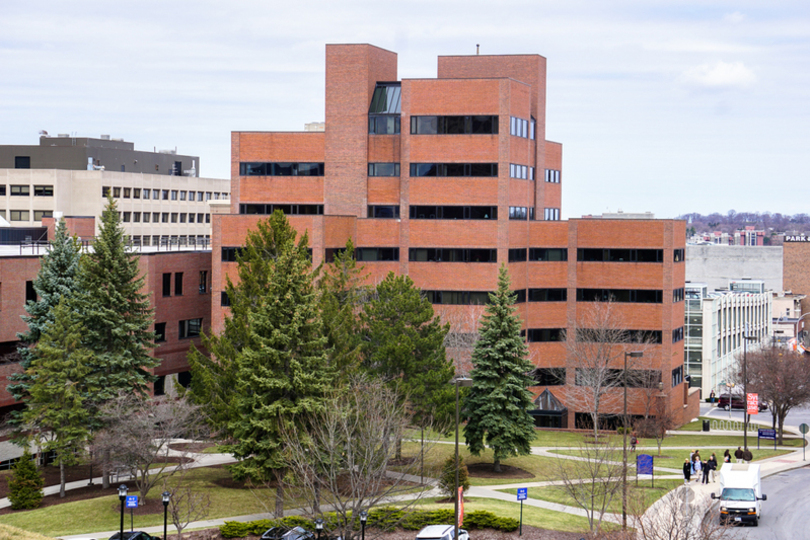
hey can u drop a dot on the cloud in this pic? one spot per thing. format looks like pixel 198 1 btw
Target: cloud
pixel 720 75
pixel 733 18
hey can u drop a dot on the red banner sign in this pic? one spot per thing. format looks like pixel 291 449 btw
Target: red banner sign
pixel 460 506
pixel 753 403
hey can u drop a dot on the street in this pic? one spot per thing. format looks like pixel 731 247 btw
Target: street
pixel 784 514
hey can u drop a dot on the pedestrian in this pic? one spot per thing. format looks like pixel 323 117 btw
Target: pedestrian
pixel 706 470
pixel 697 467
pixel 712 466
pixel 633 442
pixel 738 455
pixel 687 471
pixel 726 456
pixel 748 457
pixel 711 397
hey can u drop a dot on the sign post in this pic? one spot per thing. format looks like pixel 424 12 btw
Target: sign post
pixel 522 495
pixel 644 465
pixel 804 428
pixel 767 434
pixel 132 503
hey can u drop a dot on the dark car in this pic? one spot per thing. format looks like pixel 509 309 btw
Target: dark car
pixel 134 535
pixel 737 402
pixel 298 533
pixel 275 533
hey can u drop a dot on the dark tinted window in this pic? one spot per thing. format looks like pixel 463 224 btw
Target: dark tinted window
pixel 548 376
pixel 383 212
pixel 22 162
pixel 548 254
pixel 167 284
pixel 548 295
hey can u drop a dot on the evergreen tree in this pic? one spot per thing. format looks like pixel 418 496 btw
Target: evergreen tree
pixel 342 295
pixel 496 406
pixel 214 374
pixel 404 345
pixel 447 480
pixel 56 411
pixel 278 372
pixel 25 484
pixel 56 280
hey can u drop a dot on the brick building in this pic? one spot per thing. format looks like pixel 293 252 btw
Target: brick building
pixel 444 179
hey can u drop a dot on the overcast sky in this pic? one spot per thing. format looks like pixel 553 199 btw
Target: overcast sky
pixel 666 106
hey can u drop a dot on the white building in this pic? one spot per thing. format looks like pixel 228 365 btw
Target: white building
pixel 715 323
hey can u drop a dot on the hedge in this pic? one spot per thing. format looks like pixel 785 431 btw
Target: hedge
pixel 387 518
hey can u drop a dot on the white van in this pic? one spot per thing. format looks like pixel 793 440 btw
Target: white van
pixel 740 494
pixel 441 532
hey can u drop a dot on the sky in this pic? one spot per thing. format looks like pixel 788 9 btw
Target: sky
pixel 667 106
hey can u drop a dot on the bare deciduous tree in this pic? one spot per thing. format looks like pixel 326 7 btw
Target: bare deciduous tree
pixel 138 431
pixel 343 459
pixel 658 421
pixel 185 504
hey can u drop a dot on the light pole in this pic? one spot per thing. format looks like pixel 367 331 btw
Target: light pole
pixel 319 527
pixel 122 494
pixel 363 518
pixel 461 381
pixel 632 354
pixel 746 339
pixel 166 497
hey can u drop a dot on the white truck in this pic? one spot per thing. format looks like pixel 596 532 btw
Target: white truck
pixel 740 494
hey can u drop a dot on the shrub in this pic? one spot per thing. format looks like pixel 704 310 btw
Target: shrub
pixel 25 484
pixel 481 519
pixel 447 480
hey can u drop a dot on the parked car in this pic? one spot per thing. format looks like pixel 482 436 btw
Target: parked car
pixel 275 533
pixel 298 533
pixel 441 532
pixel 134 535
pixel 737 402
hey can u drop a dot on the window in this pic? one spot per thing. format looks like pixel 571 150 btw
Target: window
pixel 551 214
pixel 229 254
pixel 39 214
pixel 174 194
pixel 678 255
pixel 117 192
pixel 191 196
pixel 542 335
pixel 127 193
pixel 384 124
pixel 182 195
pixel 677 295
pixel 453 212
pixel 278 169
pixel 677 376
pixel 136 193
pixel 452 255
pixel 588 335
pixel 383 212
pixel 518 212
pixel 30 292
pixel 520 296
pixel 520 171
pixel 136 217
pixel 383 169
pixel 191 218
pixel 43 191
pixel 19 215
pixel 146 193
pixel 620 255
pixel 164 217
pixel 548 376
pixel 677 335
pixel 20 191
pixel 208 195
pixel 160 332
pixel 457 298
pixel 126 217
pixel 454 169
pixel 454 125
pixel 199 218
pixel 548 295
pixel 287 209
pixel 640 296
pixel 553 176
pixel 105 191
pixel 203 281
pixel 190 328
pixel 178 284
pixel 376 254
pixel 167 284
pixel 200 196
pixel 519 127
pixel 548 254
pixel 224 299
pixel 146 216
pixel 517 255
pixel 165 194
pixel 207 218
pixel 2 189
pixel 155 194
pixel 22 162
pixel 182 217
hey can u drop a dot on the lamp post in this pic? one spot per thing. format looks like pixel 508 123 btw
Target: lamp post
pixel 166 497
pixel 461 381
pixel 319 527
pixel 632 354
pixel 746 339
pixel 363 518
pixel 122 494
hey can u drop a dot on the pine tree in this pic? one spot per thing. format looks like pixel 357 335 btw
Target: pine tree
pixel 56 280
pixel 404 345
pixel 56 411
pixel 25 484
pixel 214 374
pixel 447 480
pixel 496 406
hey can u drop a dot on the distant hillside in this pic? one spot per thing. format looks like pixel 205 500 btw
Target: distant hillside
pixel 772 224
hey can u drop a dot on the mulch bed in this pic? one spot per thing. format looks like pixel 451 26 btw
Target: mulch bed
pixel 484 470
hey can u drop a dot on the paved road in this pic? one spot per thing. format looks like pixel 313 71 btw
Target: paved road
pixel 784 514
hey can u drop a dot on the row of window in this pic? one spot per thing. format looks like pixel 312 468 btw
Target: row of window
pixel 383 169
pixel 521 212
pixel 383 212
pixel 383 124
pixel 287 209
pixel 452 255
pixel 164 217
pixel 551 214
pixel 25 215
pixel 541 295
pixel 457 298
pixel 161 194
pixel 178 283
pixel 25 191
pixel 454 125
pixel 677 335
pixel 521 128
pixel 187 329
pixel 455 169
pixel 453 212
pixel 281 169
pixel 173 240
pixel 620 255
pixel 639 296
pixel 553 176
pixel 677 295
pixel 521 171
pixel 611 335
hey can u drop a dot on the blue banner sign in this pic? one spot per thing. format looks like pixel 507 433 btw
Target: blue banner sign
pixel 644 464
pixel 523 494
pixel 769 434
pixel 132 501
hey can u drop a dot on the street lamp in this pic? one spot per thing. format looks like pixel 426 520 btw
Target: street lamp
pixel 166 497
pixel 461 381
pixel 632 354
pixel 319 527
pixel 122 494
pixel 746 339
pixel 363 518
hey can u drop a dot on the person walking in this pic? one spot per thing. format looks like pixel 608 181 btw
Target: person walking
pixel 711 397
pixel 697 467
pixel 633 442
pixel 726 456
pixel 711 464
pixel 748 457
pixel 687 471
pixel 706 470
pixel 738 455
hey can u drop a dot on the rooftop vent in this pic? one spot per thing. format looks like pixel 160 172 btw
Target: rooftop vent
pixel 105 137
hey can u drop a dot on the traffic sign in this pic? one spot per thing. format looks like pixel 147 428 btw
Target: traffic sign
pixel 804 428
pixel 523 494
pixel 132 501
pixel 644 464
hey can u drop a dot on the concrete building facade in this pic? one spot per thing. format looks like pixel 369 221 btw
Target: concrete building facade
pixel 716 265
pixel 446 179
